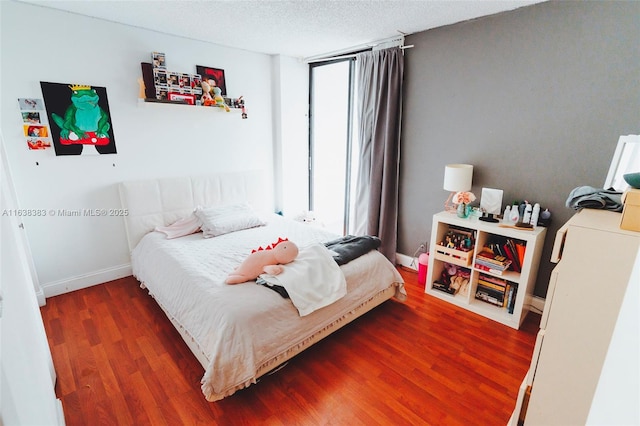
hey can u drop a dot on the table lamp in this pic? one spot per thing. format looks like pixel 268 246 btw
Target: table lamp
pixel 457 178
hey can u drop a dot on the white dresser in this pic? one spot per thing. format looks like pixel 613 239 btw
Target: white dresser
pixel 595 260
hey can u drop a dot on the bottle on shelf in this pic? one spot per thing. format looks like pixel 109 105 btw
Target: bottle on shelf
pixel 507 214
pixel 514 216
pixel 535 214
pixel 526 218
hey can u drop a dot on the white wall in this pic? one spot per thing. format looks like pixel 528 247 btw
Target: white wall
pixel 291 132
pixel 153 140
pixel 27 377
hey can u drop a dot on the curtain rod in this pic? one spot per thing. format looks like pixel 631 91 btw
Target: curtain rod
pixel 349 52
pixel 351 55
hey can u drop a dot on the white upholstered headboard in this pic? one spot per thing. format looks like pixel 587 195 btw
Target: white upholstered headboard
pixel 160 202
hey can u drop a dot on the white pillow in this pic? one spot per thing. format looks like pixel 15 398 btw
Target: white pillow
pixel 185 226
pixel 222 220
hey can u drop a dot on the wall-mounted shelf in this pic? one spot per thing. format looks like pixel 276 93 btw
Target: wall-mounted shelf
pixel 182 89
pixel 162 101
pixel 144 102
pixel 159 101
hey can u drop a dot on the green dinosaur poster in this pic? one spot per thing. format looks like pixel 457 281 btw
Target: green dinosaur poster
pixel 79 118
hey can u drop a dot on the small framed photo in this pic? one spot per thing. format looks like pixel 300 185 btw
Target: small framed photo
pixel 36 131
pixel 38 143
pixel 160 77
pixel 161 92
pixel 185 80
pixel 196 80
pixel 184 98
pixel 173 79
pixel 213 76
pixel 158 60
pixel 29 104
pixel 31 117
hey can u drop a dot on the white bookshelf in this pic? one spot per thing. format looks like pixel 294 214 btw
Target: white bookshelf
pixel 523 282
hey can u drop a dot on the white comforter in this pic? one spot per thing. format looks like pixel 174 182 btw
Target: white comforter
pixel 242 328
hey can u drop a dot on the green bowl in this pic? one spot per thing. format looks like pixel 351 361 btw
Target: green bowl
pixel 633 179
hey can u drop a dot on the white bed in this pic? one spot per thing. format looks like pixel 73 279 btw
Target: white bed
pixel 237 332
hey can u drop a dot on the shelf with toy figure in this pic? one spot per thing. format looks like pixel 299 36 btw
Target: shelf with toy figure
pixel 233 108
pixel 158 86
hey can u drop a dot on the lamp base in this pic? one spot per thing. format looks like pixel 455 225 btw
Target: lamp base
pixel 449 206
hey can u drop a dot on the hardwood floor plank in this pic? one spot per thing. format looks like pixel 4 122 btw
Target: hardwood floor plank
pixel 108 327
pixel 55 331
pixel 423 362
pixel 149 404
pixel 113 393
pixel 65 383
pixel 177 378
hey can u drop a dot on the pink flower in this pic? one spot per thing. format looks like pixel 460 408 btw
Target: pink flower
pixel 463 197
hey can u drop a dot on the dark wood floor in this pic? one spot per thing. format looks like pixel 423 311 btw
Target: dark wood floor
pixel 423 362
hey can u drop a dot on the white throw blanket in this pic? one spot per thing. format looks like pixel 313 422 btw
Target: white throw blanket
pixel 313 280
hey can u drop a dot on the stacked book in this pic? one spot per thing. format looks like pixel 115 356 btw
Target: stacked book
pixel 507 248
pixel 496 291
pixel 495 263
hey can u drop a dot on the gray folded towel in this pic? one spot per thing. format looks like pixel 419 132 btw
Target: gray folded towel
pixel 588 197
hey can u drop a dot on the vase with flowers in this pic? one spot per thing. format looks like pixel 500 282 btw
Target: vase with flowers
pixel 463 199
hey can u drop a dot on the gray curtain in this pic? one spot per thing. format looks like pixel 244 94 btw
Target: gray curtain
pixel 379 78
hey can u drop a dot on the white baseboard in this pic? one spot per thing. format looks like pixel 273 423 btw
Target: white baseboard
pixel 407 261
pixel 68 285
pixel 538 303
pixel 41 297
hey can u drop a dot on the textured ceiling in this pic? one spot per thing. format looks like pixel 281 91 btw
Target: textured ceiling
pixel 297 28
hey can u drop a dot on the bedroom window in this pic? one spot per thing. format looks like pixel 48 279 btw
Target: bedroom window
pixel 331 143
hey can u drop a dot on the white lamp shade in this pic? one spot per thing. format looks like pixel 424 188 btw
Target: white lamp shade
pixel 458 177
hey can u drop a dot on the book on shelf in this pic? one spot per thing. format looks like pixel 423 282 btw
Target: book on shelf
pixel 501 266
pixel 490 294
pixel 492 286
pixel 520 249
pixel 511 298
pixel 488 269
pixel 496 291
pixel 503 248
pixel 443 287
pixel 510 251
pixel 492 259
pixel 492 279
pixel 489 298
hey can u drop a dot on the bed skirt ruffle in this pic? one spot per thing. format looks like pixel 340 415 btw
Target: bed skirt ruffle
pixel 395 290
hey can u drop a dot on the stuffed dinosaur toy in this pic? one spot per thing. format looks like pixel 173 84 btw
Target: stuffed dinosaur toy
pixel 264 260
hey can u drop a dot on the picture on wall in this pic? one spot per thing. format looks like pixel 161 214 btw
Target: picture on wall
pixel 214 74
pixel 37 131
pixel 32 117
pixel 34 127
pixel 30 104
pixel 38 143
pixel 79 117
pixel 158 60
